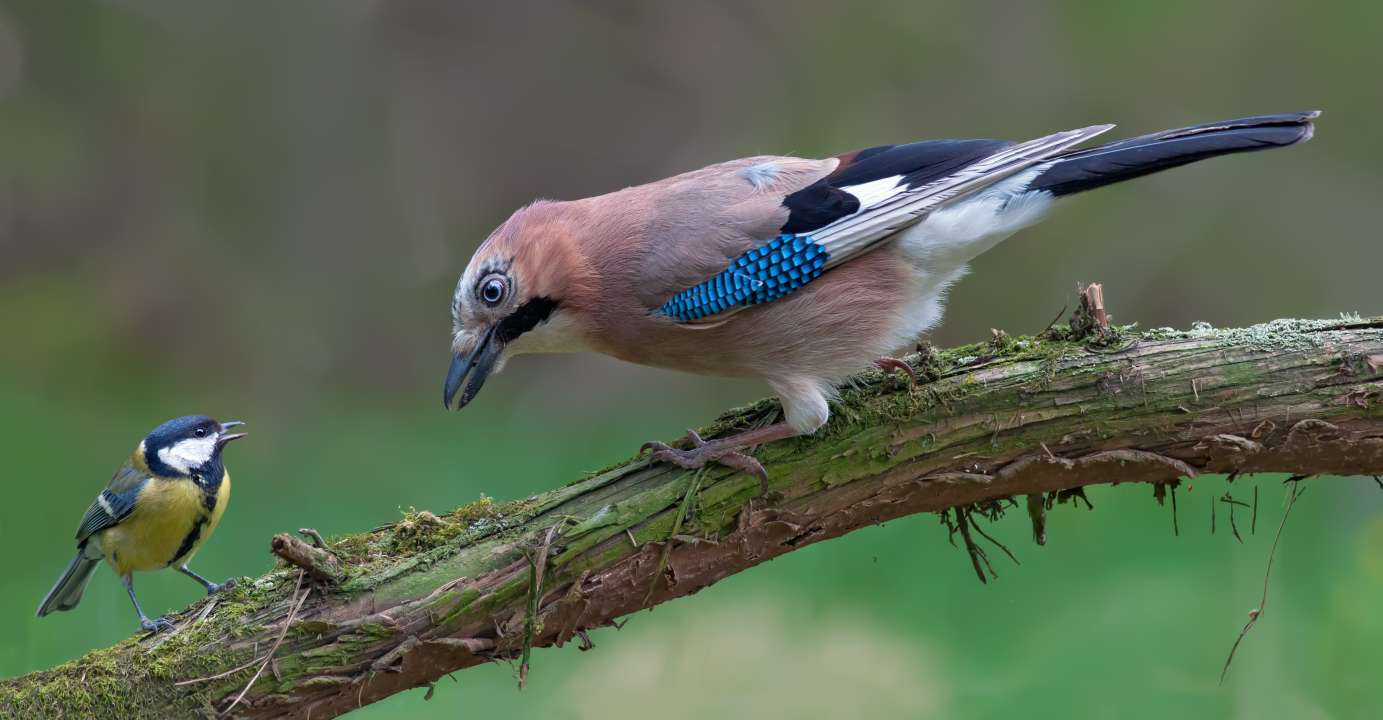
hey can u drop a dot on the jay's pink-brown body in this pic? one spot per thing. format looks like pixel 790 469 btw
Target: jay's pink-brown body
pixel 799 272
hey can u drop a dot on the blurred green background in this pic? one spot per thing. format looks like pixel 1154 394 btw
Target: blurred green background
pixel 258 210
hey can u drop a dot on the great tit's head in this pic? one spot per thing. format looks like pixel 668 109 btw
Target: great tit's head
pixel 183 446
pixel 520 293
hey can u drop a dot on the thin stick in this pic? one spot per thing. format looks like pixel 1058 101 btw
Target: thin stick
pixel 693 486
pixel 536 567
pixel 218 676
pixel 1253 523
pixel 288 622
pixel 977 553
pixel 1000 545
pixel 1176 527
pixel 1257 612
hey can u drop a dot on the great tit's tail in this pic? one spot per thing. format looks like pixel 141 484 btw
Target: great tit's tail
pixel 1127 159
pixel 68 591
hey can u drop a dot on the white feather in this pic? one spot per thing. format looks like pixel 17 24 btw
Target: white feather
pixel 941 246
pixel 184 455
pixel 806 401
pixel 761 175
pixel 875 191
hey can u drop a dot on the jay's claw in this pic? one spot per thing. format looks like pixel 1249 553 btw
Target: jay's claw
pixel 702 452
pixel 887 363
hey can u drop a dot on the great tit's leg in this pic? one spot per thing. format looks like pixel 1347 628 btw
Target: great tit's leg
pixel 888 363
pixel 211 587
pixel 155 625
pixel 724 451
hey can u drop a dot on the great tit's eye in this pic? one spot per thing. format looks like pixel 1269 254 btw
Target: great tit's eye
pixel 199 432
pixel 492 289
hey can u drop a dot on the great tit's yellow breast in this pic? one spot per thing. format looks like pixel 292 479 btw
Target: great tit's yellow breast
pixel 159 531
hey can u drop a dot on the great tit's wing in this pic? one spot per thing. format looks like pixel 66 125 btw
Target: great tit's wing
pixel 805 228
pixel 115 503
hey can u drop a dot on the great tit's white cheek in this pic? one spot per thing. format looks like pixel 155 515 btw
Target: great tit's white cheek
pixel 190 453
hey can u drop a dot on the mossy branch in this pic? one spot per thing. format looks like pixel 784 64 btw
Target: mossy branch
pixel 400 606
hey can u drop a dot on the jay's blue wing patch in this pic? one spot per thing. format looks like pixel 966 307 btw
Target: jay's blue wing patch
pixel 766 273
pixel 793 259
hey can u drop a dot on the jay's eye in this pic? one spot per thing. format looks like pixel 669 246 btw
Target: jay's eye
pixel 199 432
pixel 493 289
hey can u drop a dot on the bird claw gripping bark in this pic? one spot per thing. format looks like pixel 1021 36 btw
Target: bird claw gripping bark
pixel 157 625
pixel 888 364
pixel 702 452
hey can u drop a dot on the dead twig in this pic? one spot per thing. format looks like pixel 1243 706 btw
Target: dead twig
pixel 321 565
pixel 317 539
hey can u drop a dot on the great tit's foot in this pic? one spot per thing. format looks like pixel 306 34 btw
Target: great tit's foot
pixel 213 588
pixel 888 363
pixel 157 625
pixel 702 452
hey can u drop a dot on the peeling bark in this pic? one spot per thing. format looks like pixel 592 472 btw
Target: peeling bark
pixel 398 607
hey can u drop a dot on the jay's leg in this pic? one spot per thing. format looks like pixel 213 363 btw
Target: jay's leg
pixel 211 587
pixel 155 625
pixel 888 363
pixel 725 451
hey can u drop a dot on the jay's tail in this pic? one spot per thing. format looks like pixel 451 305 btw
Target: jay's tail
pixel 1127 159
pixel 67 592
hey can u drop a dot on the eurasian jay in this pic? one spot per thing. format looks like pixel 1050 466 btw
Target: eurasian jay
pixel 797 271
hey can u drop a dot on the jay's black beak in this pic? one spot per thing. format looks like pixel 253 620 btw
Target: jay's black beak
pixel 221 442
pixel 477 364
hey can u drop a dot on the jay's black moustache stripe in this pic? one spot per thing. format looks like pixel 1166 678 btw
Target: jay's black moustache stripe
pixel 528 316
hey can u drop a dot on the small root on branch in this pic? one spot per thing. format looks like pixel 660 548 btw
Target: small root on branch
pixel 1256 613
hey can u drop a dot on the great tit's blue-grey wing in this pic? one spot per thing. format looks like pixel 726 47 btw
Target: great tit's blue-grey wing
pixel 115 503
pixel 867 197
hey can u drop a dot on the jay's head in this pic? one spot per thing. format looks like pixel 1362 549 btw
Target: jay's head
pixel 514 297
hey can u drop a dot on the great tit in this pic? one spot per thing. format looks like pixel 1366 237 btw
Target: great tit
pixel 160 506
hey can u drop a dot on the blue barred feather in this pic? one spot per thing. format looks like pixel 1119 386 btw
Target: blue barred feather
pixel 784 264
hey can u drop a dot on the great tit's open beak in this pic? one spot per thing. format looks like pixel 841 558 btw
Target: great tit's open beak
pixel 221 442
pixel 477 364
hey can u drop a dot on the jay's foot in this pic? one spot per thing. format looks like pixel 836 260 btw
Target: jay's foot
pixel 887 363
pixel 702 452
pixel 157 625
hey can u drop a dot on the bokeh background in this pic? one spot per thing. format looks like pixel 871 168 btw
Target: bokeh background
pixel 258 210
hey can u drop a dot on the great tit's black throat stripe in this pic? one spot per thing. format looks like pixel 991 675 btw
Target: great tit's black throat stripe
pixel 528 316
pixel 190 541
pixel 208 477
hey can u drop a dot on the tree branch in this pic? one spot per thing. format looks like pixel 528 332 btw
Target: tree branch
pixel 397 607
